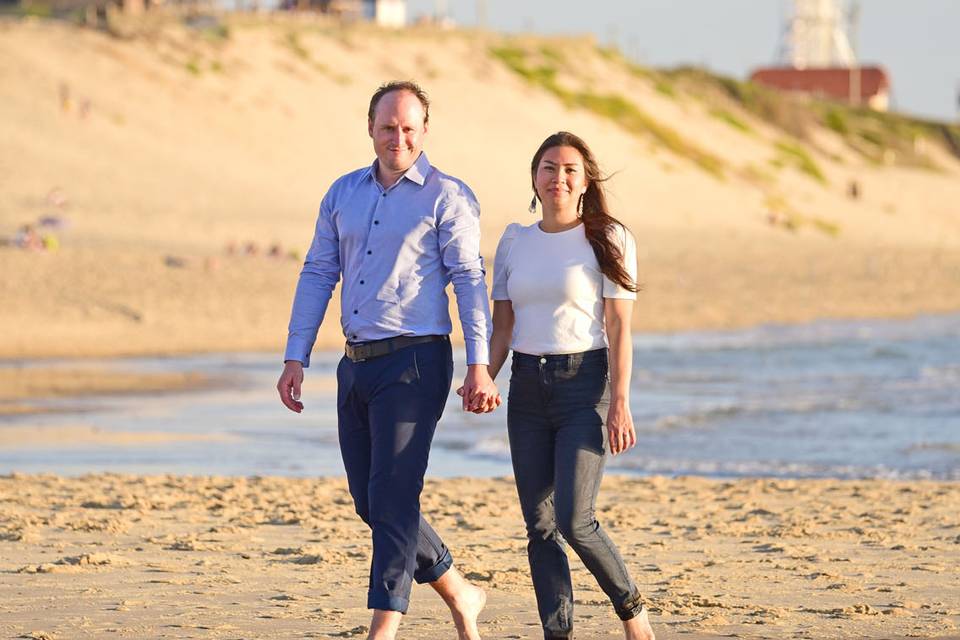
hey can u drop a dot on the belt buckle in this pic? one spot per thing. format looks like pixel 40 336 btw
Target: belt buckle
pixel 354 352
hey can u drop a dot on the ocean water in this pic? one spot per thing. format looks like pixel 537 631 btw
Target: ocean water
pixel 845 399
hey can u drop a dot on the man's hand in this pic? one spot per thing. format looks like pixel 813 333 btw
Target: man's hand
pixel 289 385
pixel 479 393
pixel 620 427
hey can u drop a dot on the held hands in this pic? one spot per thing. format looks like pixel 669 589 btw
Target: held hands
pixel 620 427
pixel 479 392
pixel 289 385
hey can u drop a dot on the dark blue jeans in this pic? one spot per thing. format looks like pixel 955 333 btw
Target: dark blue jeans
pixel 387 411
pixel 556 414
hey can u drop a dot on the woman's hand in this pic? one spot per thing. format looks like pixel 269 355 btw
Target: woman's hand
pixel 620 427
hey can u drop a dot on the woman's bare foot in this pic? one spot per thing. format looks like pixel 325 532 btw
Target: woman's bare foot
pixel 638 627
pixel 465 601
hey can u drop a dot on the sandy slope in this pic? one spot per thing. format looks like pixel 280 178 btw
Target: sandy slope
pixel 168 147
pixel 174 557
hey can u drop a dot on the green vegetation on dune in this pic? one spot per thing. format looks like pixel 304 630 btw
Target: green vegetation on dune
pixel 631 118
pixel 732 120
pixel 292 42
pixel 835 120
pixel 875 135
pixel 612 106
pixel 780 214
pixel 794 154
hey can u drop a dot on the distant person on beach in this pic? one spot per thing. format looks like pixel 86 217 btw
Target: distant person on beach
pixel 398 232
pixel 563 292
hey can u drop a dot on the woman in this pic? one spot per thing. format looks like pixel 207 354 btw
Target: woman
pixel 563 288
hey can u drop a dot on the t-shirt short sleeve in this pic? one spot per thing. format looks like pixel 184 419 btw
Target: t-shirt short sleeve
pixel 628 247
pixel 501 262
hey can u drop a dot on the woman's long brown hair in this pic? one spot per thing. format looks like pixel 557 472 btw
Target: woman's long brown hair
pixel 594 213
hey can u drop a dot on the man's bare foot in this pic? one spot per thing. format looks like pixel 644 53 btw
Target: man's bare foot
pixel 465 601
pixel 466 609
pixel 638 627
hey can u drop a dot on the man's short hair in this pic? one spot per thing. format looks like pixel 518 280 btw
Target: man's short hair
pixel 399 85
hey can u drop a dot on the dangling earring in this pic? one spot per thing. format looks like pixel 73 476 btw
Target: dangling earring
pixel 533 205
pixel 580 206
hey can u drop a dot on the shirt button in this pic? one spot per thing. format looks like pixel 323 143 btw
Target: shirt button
pixel 353 337
pixel 369 253
pixel 383 195
pixel 376 222
pixel 361 282
pixel 355 311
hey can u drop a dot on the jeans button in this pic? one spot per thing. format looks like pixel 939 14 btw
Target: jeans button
pixel 543 361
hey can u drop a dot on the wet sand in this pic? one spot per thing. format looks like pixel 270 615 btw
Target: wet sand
pixel 19 385
pixel 216 557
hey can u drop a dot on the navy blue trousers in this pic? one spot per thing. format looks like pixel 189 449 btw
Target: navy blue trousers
pixel 387 412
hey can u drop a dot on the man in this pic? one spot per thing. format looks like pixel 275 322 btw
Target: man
pixel 398 231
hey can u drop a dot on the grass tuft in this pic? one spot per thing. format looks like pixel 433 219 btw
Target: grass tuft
pixel 611 106
pixel 796 155
pixel 732 120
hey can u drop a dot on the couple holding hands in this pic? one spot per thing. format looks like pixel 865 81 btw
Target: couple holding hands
pixel 398 232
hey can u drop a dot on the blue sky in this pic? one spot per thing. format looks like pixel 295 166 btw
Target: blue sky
pixel 918 41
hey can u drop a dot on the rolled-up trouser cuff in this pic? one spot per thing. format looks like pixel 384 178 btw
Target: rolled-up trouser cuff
pixel 631 608
pixel 423 576
pixel 386 602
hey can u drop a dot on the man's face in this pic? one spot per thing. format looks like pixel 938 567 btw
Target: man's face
pixel 398 130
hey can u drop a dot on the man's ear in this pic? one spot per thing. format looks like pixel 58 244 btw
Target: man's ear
pixel 369 127
pixel 426 127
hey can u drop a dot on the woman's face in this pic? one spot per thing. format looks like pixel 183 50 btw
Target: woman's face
pixel 560 178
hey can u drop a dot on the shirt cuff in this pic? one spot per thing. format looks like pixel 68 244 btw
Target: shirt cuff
pixel 478 352
pixel 298 350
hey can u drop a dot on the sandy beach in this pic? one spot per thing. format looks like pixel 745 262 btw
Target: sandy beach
pixel 217 557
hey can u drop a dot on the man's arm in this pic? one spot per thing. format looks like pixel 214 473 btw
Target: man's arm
pixel 459 237
pixel 318 278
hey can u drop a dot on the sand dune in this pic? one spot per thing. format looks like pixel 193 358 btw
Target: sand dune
pixel 160 151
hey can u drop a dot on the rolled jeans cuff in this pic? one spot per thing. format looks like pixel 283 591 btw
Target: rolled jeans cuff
pixel 386 602
pixel 630 608
pixel 432 574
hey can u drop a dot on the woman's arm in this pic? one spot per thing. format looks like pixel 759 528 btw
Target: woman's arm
pixel 502 332
pixel 617 313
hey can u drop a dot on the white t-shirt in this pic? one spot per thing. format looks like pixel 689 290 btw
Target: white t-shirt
pixel 556 287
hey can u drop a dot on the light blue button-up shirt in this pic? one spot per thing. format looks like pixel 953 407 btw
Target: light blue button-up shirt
pixel 397 250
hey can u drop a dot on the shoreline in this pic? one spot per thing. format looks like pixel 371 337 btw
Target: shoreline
pixel 20 384
pixel 159 556
pixel 86 376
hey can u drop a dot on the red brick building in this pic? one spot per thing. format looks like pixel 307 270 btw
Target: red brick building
pixel 856 85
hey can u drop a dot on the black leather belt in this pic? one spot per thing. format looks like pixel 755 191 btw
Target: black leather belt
pixel 360 351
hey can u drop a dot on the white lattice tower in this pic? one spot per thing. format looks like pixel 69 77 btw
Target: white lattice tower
pixel 816 37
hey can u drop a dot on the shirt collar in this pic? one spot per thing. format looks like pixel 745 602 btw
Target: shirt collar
pixel 417 172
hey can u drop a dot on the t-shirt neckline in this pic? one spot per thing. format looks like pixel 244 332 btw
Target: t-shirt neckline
pixel 557 233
